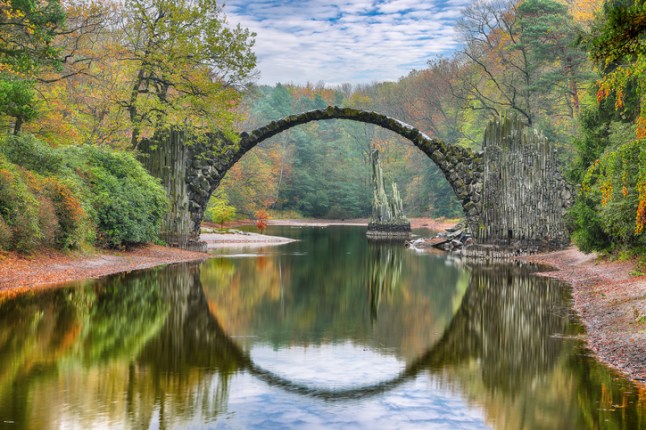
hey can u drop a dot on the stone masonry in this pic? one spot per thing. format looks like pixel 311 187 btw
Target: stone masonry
pixel 480 180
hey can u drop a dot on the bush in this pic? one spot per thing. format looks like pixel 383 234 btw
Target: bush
pixel 32 154
pixel 19 209
pixel 5 234
pixel 73 196
pixel 129 204
pixel 586 224
pixel 73 222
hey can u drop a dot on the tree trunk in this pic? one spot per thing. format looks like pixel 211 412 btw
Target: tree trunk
pixel 17 128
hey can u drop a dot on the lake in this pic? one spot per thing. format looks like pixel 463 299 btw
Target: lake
pixel 331 331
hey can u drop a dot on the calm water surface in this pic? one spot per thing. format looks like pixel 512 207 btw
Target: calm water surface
pixel 327 332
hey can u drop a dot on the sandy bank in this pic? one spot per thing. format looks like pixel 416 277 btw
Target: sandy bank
pixel 248 240
pixel 611 304
pixel 46 269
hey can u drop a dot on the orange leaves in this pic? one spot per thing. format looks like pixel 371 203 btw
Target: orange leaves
pixel 640 218
pixel 606 192
pixel 641 126
pixel 261 220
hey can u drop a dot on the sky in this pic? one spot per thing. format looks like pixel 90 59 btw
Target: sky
pixel 339 41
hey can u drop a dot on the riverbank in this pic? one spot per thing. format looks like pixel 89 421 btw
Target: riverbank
pixel 47 269
pixel 611 304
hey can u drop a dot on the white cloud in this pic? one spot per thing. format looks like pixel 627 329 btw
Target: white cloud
pixel 339 41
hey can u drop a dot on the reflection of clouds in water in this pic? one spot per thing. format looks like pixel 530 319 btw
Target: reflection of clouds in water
pixel 418 404
pixel 328 366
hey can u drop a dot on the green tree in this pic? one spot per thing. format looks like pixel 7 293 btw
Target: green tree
pixel 219 210
pixel 524 59
pixel 551 35
pixel 611 211
pixel 185 65
pixel 27 31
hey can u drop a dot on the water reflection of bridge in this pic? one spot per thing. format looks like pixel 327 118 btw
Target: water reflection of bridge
pixel 505 322
pixel 147 348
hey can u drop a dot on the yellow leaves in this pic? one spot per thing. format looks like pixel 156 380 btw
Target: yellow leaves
pixel 641 126
pixel 640 218
pixel 606 192
pixel 584 11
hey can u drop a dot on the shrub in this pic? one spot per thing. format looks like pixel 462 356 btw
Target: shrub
pixel 18 208
pixel 5 234
pixel 587 226
pixel 75 195
pixel 32 154
pixel 73 222
pixel 129 204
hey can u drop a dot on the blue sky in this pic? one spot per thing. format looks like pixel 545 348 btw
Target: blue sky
pixel 338 41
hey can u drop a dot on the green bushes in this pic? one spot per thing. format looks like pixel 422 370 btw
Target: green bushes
pixel 129 203
pixel 18 209
pixel 70 197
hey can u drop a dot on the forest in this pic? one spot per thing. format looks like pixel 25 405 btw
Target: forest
pixel 83 82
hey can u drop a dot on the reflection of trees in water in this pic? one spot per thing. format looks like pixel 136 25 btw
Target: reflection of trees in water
pixel 506 321
pixel 505 351
pixel 172 362
pixel 324 294
pixel 142 335
pixel 385 267
pixel 187 367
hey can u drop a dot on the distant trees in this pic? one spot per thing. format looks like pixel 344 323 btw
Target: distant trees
pixel 523 58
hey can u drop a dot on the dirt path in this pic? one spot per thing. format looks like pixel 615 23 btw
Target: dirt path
pixel 611 304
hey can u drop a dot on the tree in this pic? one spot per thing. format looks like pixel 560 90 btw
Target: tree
pixel 524 58
pixel 613 202
pixel 219 210
pixel 551 34
pixel 185 65
pixel 27 31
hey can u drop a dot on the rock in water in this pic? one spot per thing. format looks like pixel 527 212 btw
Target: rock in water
pixel 388 219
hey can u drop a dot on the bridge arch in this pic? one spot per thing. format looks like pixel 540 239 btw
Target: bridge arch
pixel 198 165
pixel 461 167
pixel 512 193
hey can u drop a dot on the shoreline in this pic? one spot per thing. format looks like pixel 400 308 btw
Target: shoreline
pixel 610 303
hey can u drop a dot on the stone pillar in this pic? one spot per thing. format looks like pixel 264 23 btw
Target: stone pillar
pixel 167 157
pixel 189 168
pixel 525 196
pixel 388 219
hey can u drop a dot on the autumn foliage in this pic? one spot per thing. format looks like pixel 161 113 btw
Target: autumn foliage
pixel 261 220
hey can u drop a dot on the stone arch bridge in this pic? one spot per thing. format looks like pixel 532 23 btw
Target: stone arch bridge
pixel 511 193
